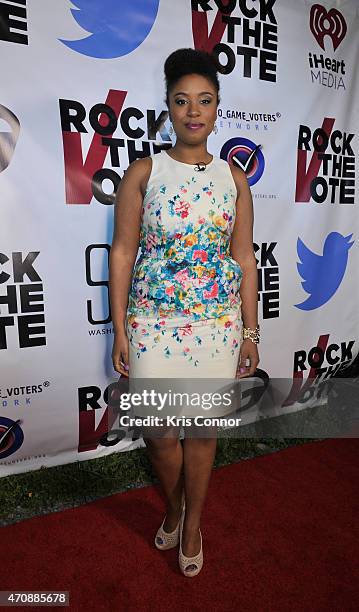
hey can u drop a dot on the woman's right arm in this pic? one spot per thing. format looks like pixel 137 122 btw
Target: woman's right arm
pixel 125 243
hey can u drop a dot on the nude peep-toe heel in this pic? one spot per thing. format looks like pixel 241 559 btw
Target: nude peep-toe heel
pixel 189 566
pixel 165 540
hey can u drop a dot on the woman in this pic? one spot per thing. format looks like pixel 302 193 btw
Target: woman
pixel 188 308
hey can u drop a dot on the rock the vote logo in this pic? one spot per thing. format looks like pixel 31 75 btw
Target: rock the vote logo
pixel 84 171
pixel 99 414
pixel 247 36
pixel 22 294
pixel 314 366
pixel 325 165
pixel 268 279
pixel 13 22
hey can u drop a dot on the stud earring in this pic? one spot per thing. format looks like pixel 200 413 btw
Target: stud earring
pixel 215 128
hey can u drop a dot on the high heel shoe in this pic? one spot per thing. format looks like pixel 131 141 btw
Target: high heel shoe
pixel 189 566
pixel 165 540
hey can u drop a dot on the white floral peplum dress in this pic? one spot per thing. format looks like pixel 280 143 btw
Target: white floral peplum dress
pixel 184 307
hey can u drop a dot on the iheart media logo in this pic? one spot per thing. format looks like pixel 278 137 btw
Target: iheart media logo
pixel 327 23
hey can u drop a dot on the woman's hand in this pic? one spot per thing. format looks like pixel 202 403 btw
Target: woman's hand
pixel 249 350
pixel 120 353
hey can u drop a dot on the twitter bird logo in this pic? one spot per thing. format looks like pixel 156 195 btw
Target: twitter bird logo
pixel 322 274
pixel 117 26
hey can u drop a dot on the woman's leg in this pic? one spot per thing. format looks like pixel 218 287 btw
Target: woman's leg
pixel 199 453
pixel 166 456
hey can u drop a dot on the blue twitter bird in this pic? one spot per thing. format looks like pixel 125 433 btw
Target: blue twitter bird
pixel 117 26
pixel 322 274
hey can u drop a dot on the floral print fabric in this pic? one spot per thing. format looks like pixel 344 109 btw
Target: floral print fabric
pixel 213 338
pixel 185 267
pixel 185 274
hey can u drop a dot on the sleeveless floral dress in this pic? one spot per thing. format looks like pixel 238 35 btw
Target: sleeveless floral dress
pixel 184 307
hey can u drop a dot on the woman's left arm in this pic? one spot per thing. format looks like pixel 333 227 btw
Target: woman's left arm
pixel 242 251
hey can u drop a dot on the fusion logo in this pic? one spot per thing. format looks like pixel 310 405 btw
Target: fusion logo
pixel 268 279
pixel 11 437
pixel 13 22
pixel 334 156
pixel 94 432
pixel 320 363
pixel 251 35
pixel 326 25
pixel 8 139
pixel 94 265
pixel 84 179
pixel 322 274
pixel 24 301
pixel 245 154
pixel 117 26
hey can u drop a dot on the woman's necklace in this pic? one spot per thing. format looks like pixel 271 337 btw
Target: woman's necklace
pixel 201 166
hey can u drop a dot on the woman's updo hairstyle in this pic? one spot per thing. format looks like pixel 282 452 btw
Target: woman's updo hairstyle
pixel 190 61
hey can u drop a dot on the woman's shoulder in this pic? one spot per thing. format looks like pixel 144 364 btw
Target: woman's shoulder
pixel 141 165
pixel 139 170
pixel 238 174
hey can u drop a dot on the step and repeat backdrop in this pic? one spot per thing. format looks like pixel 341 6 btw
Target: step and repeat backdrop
pixel 82 96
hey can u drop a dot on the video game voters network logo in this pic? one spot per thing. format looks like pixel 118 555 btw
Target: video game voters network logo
pixel 11 437
pixel 245 154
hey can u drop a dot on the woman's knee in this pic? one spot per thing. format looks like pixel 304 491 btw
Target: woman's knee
pixel 201 432
pixel 161 439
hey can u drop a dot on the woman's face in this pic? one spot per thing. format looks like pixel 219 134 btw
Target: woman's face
pixel 193 108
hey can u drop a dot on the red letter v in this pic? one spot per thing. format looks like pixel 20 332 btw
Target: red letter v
pixel 304 179
pixel 78 175
pixel 203 41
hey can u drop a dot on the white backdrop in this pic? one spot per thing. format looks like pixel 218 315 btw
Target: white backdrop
pixel 290 69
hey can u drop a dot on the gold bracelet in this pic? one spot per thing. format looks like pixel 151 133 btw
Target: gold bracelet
pixel 252 334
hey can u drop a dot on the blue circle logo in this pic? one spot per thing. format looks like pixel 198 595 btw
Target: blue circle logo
pixel 11 437
pixel 245 154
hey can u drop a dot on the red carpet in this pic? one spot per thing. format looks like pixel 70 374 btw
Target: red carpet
pixel 280 533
